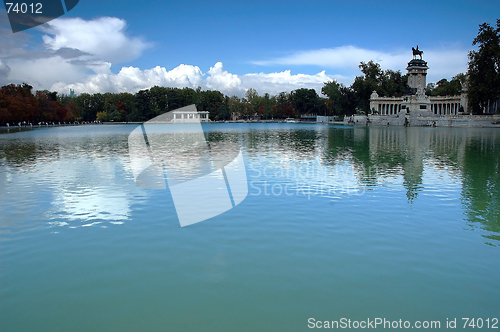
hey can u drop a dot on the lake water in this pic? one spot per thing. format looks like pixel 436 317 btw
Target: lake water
pixel 339 223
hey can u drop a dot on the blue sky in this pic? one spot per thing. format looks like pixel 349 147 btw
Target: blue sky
pixel 231 46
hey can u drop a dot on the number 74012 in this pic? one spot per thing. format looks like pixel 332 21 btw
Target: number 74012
pixel 24 8
pixel 479 323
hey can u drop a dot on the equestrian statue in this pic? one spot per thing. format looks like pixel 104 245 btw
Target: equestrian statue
pixel 417 52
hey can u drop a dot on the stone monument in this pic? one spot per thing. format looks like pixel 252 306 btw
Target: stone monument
pixel 417 102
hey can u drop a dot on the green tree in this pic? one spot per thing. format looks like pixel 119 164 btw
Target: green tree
pixel 349 100
pixel 386 83
pixel 445 88
pixel 484 70
pixel 284 106
pixel 267 104
pixel 223 112
pixel 102 116
pixel 332 91
pixel 188 96
pixel 158 99
pixel 371 70
pixel 254 99
pixel 174 99
pixel 363 86
pixel 119 105
pixel 393 83
pixel 210 101
pixel 247 109
pixel 305 101
pixel 71 105
pixel 235 106
pixel 89 105
pixel 143 111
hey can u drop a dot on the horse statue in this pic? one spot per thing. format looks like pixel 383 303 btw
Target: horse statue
pixel 417 52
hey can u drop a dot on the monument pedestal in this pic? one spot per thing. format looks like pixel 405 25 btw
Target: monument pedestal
pixel 418 103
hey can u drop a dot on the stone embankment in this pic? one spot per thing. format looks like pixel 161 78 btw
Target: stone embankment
pixel 27 126
pixel 425 121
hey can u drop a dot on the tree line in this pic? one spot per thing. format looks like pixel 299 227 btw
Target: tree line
pixel 18 103
pixel 484 70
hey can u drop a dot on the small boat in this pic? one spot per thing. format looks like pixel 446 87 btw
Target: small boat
pixel 290 120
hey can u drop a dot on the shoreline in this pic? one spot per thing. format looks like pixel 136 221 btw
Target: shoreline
pixel 30 126
pixel 459 121
pixel 474 121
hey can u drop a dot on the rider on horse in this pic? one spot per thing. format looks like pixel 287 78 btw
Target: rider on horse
pixel 417 52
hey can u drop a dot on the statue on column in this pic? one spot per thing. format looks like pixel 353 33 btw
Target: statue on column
pixel 417 52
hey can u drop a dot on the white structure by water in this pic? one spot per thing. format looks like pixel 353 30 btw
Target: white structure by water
pixel 418 103
pixel 417 109
pixel 188 114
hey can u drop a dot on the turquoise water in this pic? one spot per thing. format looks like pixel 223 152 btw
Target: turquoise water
pixel 339 222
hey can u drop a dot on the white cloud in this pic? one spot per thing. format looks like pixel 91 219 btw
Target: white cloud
pixel 274 83
pixel 343 56
pixel 184 76
pixel 72 49
pixel 78 54
pixel 42 73
pixel 445 64
pixel 104 38
pixel 223 81
pixel 132 79
pixel 345 59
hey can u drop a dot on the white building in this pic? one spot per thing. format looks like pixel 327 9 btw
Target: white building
pixel 188 114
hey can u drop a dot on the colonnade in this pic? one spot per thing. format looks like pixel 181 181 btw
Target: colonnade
pixel 190 116
pixel 389 109
pixel 437 108
pixel 446 108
